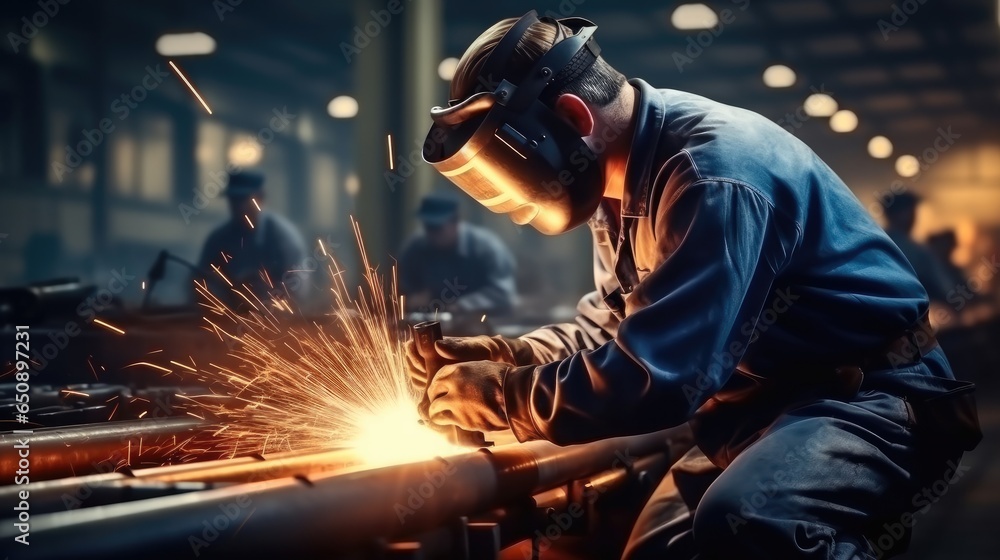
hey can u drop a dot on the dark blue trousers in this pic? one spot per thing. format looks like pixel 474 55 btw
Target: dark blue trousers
pixel 827 479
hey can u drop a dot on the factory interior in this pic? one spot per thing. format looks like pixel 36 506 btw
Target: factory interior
pixel 158 400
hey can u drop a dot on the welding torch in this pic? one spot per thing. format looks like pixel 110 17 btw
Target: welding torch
pixel 425 334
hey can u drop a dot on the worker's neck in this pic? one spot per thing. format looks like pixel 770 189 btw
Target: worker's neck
pixel 615 127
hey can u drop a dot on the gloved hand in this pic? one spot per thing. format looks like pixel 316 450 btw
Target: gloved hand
pixel 513 351
pixel 469 395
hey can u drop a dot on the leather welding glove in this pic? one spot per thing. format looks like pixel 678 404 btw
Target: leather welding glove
pixel 470 396
pixel 513 351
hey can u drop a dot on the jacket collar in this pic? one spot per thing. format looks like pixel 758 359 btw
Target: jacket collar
pixel 649 117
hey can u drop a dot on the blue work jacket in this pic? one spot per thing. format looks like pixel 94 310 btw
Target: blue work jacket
pixel 738 248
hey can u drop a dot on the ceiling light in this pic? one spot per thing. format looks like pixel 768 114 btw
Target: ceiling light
pixel 352 185
pixel 343 107
pixel 907 166
pixel 245 152
pixel 820 105
pixel 694 16
pixel 447 68
pixel 844 121
pixel 779 76
pixel 185 44
pixel 879 147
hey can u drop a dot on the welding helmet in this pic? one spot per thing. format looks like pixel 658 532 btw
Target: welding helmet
pixel 506 147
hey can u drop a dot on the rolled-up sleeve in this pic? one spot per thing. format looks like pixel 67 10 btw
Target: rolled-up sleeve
pixel 720 246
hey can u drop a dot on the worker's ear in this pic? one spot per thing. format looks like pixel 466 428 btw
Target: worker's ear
pixel 576 111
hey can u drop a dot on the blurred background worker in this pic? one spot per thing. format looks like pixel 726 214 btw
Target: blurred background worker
pixel 255 247
pixel 900 216
pixel 455 266
pixel 942 246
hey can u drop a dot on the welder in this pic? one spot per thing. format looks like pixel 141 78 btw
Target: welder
pixel 455 266
pixel 741 287
pixel 255 248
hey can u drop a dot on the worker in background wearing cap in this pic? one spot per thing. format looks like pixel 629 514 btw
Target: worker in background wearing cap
pixel 254 242
pixel 455 266
pixel 740 287
pixel 900 212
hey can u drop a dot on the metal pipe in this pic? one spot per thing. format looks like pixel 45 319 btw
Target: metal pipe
pixel 328 513
pixel 59 452
pixel 99 489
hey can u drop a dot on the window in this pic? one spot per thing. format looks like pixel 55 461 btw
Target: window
pixel 322 191
pixel 156 159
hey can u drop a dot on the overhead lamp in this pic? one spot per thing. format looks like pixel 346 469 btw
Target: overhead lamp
pixel 245 152
pixel 185 44
pixel 779 76
pixel 907 166
pixel 447 68
pixel 693 16
pixel 342 107
pixel 820 105
pixel 879 147
pixel 844 121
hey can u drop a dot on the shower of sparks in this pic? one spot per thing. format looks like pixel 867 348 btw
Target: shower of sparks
pixel 305 385
pixel 185 366
pixel 254 200
pixel 190 87
pixel 388 142
pixel 483 320
pixel 143 284
pixel 149 365
pixel 248 221
pixel 109 327
pixel 221 275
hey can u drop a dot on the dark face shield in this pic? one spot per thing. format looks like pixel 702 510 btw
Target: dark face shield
pixel 510 151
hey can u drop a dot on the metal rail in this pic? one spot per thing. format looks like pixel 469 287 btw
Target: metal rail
pixel 330 513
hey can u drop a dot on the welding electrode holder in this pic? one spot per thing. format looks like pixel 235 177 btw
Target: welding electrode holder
pixel 425 334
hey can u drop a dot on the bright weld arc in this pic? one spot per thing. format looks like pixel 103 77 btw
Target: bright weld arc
pixel 191 87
